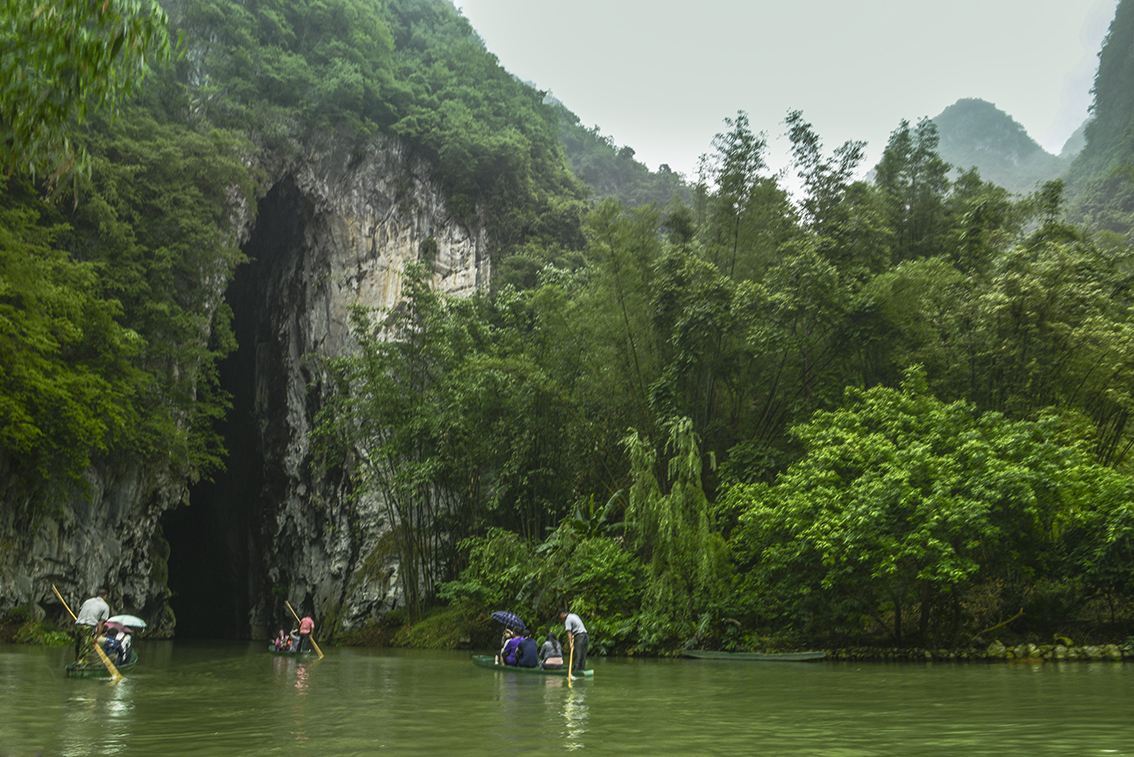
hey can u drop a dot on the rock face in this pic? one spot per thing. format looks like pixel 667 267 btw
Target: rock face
pixel 107 533
pixel 335 230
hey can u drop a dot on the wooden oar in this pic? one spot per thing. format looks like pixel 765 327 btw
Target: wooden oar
pixel 310 636
pixel 115 676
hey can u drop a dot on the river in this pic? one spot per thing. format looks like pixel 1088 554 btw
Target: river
pixel 198 698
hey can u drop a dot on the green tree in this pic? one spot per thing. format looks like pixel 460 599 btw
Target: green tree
pixel 914 181
pixel 734 170
pixel 64 60
pixel 901 505
pixel 668 518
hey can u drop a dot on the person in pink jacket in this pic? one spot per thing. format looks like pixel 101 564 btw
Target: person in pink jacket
pixel 306 628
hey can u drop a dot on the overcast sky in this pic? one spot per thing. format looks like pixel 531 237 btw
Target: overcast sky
pixel 660 76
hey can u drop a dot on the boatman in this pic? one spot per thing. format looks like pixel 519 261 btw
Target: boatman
pixel 306 628
pixel 577 636
pixel 89 622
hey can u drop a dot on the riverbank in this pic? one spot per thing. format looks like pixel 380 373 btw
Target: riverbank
pixel 994 652
pixel 23 625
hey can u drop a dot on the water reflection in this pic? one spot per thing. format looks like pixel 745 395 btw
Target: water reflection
pixel 574 716
pixel 223 699
pixel 99 714
pixel 301 678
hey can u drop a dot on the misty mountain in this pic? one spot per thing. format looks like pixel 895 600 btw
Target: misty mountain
pixel 975 133
pixel 1075 143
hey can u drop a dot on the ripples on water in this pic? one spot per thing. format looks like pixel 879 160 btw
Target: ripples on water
pixel 197 698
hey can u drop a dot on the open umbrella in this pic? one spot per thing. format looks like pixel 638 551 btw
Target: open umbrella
pixel 133 621
pixel 509 620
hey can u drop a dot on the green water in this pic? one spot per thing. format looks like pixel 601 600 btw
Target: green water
pixel 200 698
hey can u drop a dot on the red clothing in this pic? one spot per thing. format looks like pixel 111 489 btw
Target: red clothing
pixel 306 626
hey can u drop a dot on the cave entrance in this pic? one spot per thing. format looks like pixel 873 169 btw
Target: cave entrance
pixel 218 562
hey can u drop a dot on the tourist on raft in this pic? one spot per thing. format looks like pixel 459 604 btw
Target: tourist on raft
pixel 118 642
pixel 527 653
pixel 282 643
pixel 510 649
pixel 551 653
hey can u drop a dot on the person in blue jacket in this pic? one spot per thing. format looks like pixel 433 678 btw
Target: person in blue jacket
pixel 528 654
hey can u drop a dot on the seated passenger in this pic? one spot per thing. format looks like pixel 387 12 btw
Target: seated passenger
pixel 125 640
pixel 510 649
pixel 293 641
pixel 117 643
pixel 527 655
pixel 551 653
pixel 281 641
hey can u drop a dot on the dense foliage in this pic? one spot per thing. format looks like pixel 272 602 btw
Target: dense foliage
pixel 110 332
pixel 111 293
pixel 62 60
pixel 288 72
pixel 891 411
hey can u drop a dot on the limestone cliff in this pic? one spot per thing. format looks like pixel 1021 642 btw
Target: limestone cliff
pixel 356 219
pixel 334 229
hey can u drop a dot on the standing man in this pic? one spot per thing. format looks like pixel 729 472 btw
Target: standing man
pixel 576 636
pixel 306 628
pixel 90 619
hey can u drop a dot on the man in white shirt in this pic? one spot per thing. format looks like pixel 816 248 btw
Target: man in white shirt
pixel 92 615
pixel 577 636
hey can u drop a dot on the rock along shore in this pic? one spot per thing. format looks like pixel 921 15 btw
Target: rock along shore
pixel 994 652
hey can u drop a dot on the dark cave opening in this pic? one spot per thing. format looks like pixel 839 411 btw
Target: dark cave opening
pixel 218 568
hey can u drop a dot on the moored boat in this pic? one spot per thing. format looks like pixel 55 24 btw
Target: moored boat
pixel 93 667
pixel 704 654
pixel 489 661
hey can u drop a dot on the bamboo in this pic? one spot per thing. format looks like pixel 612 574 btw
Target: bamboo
pixel 312 637
pixel 115 676
pixel 571 659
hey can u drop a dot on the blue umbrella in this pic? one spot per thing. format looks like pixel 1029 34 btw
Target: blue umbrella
pixel 509 620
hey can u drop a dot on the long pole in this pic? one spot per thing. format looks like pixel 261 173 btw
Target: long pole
pixel 570 658
pixel 115 676
pixel 297 620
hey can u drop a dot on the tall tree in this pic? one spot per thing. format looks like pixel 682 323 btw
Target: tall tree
pixel 915 183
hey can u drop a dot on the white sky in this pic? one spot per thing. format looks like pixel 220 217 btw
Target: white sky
pixel 660 76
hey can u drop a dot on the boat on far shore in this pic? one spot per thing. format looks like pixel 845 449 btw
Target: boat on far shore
pixel 704 654
pixel 489 661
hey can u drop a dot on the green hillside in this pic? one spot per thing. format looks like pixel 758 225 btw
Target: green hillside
pixel 1102 177
pixel 611 171
pixel 111 334
pixel 977 134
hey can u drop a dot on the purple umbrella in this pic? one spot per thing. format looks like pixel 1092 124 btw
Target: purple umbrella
pixel 509 620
